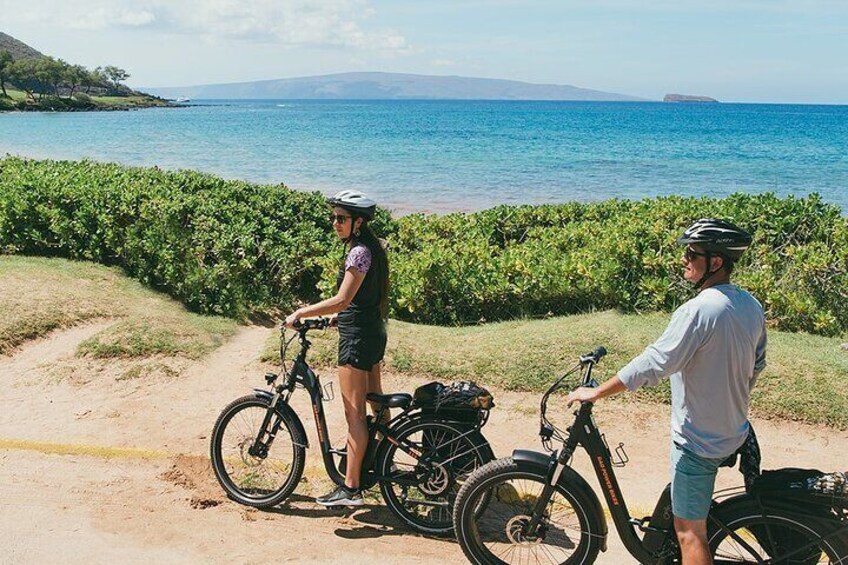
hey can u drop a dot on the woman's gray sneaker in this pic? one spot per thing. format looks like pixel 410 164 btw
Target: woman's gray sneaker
pixel 342 496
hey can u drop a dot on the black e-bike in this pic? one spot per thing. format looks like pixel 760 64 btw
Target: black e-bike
pixel 419 458
pixel 540 510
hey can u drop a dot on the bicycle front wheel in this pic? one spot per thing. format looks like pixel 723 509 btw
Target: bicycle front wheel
pixel 775 536
pixel 569 531
pixel 253 467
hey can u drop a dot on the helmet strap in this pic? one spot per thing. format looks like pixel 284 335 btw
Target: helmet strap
pixel 354 232
pixel 708 256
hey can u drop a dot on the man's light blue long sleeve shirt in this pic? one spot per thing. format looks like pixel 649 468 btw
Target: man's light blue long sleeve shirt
pixel 712 351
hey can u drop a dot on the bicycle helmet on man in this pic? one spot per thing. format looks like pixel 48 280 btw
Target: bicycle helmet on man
pixel 716 237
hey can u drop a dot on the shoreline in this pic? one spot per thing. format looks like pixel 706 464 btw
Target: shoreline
pixel 397 207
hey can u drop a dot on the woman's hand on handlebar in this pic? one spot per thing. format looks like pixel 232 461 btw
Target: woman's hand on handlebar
pixel 582 394
pixel 292 320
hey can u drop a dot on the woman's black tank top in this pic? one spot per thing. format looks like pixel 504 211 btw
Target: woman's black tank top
pixel 362 317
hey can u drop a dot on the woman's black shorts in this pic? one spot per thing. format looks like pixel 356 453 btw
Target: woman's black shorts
pixel 361 351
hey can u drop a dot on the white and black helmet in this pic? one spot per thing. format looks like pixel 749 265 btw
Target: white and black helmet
pixel 355 202
pixel 717 236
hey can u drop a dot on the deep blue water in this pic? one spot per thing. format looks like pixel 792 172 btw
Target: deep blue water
pixel 442 155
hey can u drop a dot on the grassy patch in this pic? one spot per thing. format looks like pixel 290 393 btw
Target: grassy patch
pixel 806 378
pixel 38 295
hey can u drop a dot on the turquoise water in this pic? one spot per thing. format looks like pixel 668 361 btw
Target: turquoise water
pixel 444 155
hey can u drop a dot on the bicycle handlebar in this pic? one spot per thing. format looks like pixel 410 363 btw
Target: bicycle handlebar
pixel 593 357
pixel 312 324
pixel 588 361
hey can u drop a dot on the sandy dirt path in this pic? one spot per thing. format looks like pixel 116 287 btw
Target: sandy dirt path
pixel 102 470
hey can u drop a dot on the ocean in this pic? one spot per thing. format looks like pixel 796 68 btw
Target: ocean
pixel 414 155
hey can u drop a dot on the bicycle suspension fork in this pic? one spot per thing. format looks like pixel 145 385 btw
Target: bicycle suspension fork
pixel 260 445
pixel 557 465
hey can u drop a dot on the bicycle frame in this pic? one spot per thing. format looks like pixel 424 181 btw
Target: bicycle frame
pixel 585 433
pixel 301 374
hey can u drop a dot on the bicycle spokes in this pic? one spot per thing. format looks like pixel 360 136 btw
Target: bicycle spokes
pixel 769 542
pixel 503 524
pixel 427 465
pixel 255 467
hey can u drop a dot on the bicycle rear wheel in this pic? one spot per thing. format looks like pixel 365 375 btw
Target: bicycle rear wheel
pixel 779 536
pixel 263 473
pixel 424 490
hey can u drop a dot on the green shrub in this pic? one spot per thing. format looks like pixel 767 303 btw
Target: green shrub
pixel 509 262
pixel 232 247
pixel 220 246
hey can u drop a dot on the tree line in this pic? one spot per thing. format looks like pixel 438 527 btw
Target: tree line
pixel 46 76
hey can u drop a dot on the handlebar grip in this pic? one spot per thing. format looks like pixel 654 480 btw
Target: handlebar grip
pixel 599 352
pixel 313 324
pixel 593 357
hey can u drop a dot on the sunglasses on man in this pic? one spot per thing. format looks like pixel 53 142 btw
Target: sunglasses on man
pixel 689 254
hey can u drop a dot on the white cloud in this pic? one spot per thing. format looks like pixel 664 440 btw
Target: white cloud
pixel 326 23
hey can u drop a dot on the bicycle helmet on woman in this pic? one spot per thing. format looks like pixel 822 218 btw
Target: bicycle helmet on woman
pixel 716 237
pixel 355 202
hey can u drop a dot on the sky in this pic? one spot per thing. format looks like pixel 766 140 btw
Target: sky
pixel 732 50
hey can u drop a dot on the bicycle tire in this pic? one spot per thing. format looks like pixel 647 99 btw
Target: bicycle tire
pixel 429 510
pixel 774 533
pixel 260 482
pixel 495 478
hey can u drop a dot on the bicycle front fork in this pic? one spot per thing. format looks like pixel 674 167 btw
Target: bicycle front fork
pixel 558 463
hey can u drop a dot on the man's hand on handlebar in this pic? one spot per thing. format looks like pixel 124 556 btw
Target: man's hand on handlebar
pixel 582 394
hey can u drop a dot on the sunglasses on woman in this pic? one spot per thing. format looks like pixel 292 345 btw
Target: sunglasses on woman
pixel 338 218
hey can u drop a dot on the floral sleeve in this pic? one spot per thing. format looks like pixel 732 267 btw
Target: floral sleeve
pixel 359 258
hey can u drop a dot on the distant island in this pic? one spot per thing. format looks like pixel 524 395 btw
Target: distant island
pixel 389 86
pixel 687 98
pixel 32 81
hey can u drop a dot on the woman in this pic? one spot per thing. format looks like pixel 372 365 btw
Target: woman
pixel 361 300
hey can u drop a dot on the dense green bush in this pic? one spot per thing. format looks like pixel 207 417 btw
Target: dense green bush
pixel 538 260
pixel 231 247
pixel 219 246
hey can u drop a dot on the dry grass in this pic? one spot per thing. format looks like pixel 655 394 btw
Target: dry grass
pixel 38 295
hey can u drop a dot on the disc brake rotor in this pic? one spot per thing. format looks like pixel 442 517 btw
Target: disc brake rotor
pixel 516 531
pixel 435 481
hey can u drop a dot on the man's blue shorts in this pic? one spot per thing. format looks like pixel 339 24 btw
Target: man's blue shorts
pixel 692 483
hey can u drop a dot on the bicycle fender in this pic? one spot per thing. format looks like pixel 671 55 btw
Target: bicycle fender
pixel 815 511
pixel 542 462
pixel 285 409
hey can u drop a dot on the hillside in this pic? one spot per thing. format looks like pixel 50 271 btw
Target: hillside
pixel 18 49
pixel 389 86
pixel 33 81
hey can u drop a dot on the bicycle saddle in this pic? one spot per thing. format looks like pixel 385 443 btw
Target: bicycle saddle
pixel 397 400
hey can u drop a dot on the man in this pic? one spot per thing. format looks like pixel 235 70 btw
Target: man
pixel 712 350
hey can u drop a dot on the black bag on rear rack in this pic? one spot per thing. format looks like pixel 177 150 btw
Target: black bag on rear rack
pixel 462 401
pixel 822 495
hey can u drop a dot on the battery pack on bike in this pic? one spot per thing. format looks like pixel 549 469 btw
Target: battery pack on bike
pixel 658 525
